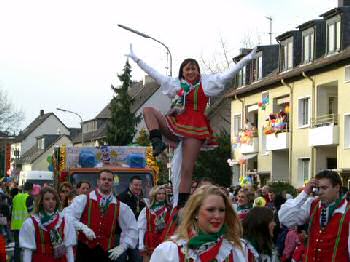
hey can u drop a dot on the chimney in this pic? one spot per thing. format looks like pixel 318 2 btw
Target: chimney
pixel 342 3
pixel 42 112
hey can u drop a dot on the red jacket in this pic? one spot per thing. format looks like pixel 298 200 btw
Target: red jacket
pixel 44 250
pixel 103 224
pixel 324 243
pixel 152 236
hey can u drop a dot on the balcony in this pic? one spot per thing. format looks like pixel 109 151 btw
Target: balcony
pixel 251 147
pixel 324 130
pixel 278 141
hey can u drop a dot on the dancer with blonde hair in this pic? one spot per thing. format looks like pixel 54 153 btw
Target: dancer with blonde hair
pixel 152 221
pixel 210 230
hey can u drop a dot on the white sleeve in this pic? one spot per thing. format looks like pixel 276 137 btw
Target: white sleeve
pixel 142 226
pixel 27 235
pixel 70 254
pixel 128 225
pixel 70 234
pixel 76 208
pixel 165 252
pixel 295 211
pixel 169 86
pixel 27 255
pixel 214 84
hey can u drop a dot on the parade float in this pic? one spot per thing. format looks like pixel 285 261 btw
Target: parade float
pixel 75 164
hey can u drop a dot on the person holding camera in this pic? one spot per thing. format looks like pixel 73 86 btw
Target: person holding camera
pixel 327 214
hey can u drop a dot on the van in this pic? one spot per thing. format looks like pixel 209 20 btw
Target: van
pixel 36 177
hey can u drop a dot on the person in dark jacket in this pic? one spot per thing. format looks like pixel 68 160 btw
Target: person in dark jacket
pixel 133 198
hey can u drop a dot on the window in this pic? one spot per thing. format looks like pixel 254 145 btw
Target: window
pixel 258 62
pixel 308 46
pixel 41 143
pixel 304 168
pixel 346 131
pixel 332 105
pixel 347 73
pixel 287 54
pixel 290 55
pixel 304 112
pixel 333 35
pixel 90 126
pixel 237 120
pixel 241 77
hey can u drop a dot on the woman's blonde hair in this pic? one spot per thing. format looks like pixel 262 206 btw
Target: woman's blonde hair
pixel 191 209
pixel 153 194
pixel 39 204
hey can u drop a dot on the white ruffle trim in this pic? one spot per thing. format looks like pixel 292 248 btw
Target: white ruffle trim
pixel 225 250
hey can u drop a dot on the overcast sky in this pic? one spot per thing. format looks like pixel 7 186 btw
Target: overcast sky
pixel 67 53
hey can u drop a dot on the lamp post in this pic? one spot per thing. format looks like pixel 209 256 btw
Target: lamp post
pixel 81 121
pixel 147 36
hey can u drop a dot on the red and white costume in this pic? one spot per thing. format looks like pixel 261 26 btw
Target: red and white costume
pixel 324 244
pixel 34 238
pixel 148 222
pixel 176 250
pixel 86 209
pixel 192 122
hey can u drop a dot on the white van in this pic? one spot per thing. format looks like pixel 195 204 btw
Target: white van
pixel 36 177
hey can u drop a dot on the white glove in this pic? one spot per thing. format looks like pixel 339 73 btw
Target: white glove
pixel 252 53
pixel 132 55
pixel 114 253
pixel 88 232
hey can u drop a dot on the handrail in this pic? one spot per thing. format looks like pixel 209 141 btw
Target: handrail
pixel 324 120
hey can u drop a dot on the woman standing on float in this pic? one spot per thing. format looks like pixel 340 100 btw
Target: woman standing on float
pixel 186 122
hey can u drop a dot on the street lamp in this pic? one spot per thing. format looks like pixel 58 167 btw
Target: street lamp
pixel 147 36
pixel 81 121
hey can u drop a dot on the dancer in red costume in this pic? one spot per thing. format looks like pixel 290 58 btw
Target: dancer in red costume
pixel 47 236
pixel 152 221
pixel 209 231
pixel 328 216
pixel 105 216
pixel 186 122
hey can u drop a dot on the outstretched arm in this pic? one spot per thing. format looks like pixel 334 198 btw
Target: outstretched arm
pixel 169 86
pixel 214 84
pixel 228 75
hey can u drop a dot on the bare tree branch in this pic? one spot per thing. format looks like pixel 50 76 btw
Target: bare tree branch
pixel 10 119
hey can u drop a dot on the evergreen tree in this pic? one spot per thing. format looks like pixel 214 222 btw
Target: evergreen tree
pixel 213 163
pixel 122 126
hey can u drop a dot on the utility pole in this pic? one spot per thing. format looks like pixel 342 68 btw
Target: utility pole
pixel 270 33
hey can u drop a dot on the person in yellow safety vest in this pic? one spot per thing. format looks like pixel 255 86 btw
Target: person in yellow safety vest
pixel 22 206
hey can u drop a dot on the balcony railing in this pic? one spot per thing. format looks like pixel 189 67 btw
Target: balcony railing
pixel 324 120
pixel 324 130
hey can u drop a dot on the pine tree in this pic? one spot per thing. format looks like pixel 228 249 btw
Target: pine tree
pixel 213 163
pixel 122 126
